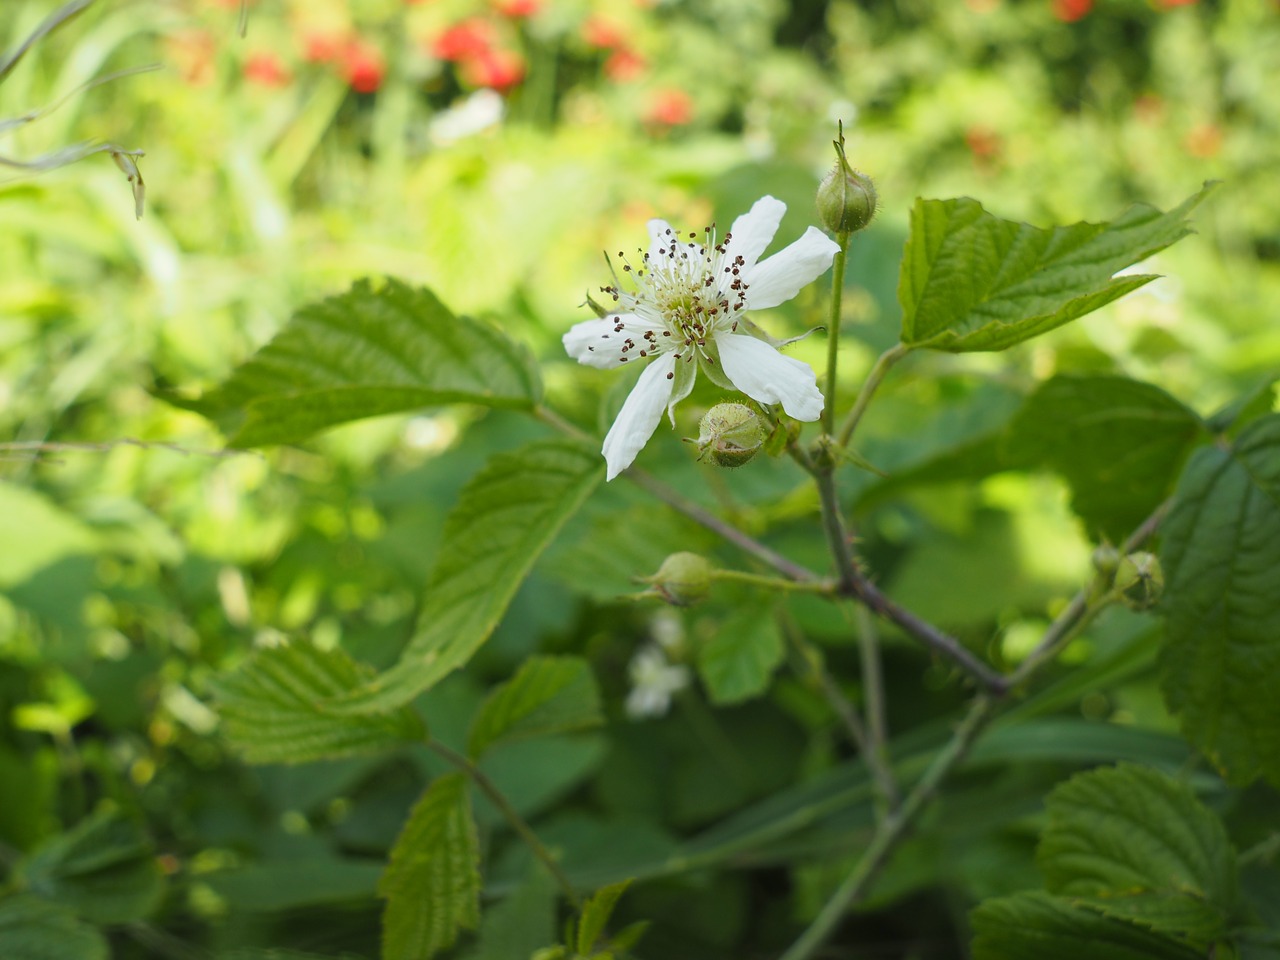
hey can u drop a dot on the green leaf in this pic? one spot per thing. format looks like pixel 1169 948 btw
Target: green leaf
pixel 104 869
pixel 432 883
pixel 362 354
pixel 521 924
pixel 1036 926
pixel 292 884
pixel 738 661
pixel 271 707
pixel 1220 553
pixel 1131 842
pixel 1118 442
pixel 505 517
pixel 547 695
pixel 596 913
pixel 971 281
pixel 34 929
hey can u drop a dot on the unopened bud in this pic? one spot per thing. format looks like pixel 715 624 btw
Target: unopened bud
pixel 731 434
pixel 1140 580
pixel 1106 559
pixel 683 579
pixel 846 198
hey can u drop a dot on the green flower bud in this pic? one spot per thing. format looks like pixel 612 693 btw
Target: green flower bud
pixel 1106 559
pixel 846 198
pixel 731 434
pixel 1140 580
pixel 683 579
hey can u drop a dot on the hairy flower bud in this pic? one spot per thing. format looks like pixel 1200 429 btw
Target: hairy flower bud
pixel 1106 559
pixel 846 198
pixel 730 434
pixel 1140 580
pixel 683 579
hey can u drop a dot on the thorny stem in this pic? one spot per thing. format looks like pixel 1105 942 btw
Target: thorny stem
pixel 512 816
pixel 774 583
pixel 882 365
pixel 833 329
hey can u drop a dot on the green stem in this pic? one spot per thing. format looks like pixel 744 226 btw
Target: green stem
pixel 877 722
pixel 890 831
pixel 812 661
pixel 833 328
pixel 774 583
pixel 882 365
pixel 512 816
pixel 1264 851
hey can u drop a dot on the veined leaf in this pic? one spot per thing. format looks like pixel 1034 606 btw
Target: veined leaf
pixel 971 281
pixel 362 354
pixel 1221 553
pixel 1036 926
pixel 738 661
pixel 1131 842
pixel 506 516
pixel 547 695
pixel 103 868
pixel 595 915
pixel 271 707
pixel 34 929
pixel 432 883
pixel 1118 442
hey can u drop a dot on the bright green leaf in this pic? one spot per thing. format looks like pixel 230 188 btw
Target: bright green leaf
pixel 971 281
pixel 596 913
pixel 547 695
pixel 103 868
pixel 506 516
pixel 1132 842
pixel 432 883
pixel 362 354
pixel 1036 926
pixel 271 707
pixel 1220 552
pixel 737 662
pixel 34 929
pixel 1118 442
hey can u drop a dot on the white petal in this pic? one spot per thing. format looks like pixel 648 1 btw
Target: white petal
pixel 779 278
pixel 639 416
pixel 598 343
pixel 753 230
pixel 681 386
pixel 763 374
pixel 661 236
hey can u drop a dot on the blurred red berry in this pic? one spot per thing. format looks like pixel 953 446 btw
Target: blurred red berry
pixel 1204 141
pixel 670 107
pixel 266 69
pixel 1069 11
pixel 624 65
pixel 983 142
pixel 320 47
pixel 601 34
pixel 518 8
pixel 1166 4
pixel 464 40
pixel 496 69
pixel 363 66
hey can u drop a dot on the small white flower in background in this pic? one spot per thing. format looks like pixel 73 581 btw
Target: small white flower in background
pixel 653 681
pixel 688 311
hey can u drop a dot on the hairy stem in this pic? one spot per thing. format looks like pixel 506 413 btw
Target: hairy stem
pixel 512 816
pixel 882 365
pixel 833 329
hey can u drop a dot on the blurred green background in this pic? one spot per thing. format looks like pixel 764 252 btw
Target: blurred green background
pixel 491 151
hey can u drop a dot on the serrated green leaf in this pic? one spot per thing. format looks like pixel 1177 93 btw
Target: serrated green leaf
pixel 1118 442
pixel 103 868
pixel 34 929
pixel 971 281
pixel 1131 842
pixel 505 517
pixel 1221 553
pixel 432 882
pixel 737 662
pixel 547 695
pixel 596 913
pixel 271 707
pixel 362 354
pixel 1036 926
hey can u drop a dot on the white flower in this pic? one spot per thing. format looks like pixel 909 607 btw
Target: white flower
pixel 689 304
pixel 653 681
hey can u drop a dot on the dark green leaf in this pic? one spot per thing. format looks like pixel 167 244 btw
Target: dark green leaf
pixel 596 913
pixel 971 281
pixel 365 353
pixel 292 884
pixel 271 707
pixel 1221 554
pixel 104 869
pixel 737 662
pixel 503 521
pixel 432 883
pixel 1036 926
pixel 1134 843
pixel 34 929
pixel 521 924
pixel 547 695
pixel 1118 442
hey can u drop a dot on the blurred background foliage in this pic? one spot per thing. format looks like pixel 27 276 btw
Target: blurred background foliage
pixel 491 151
